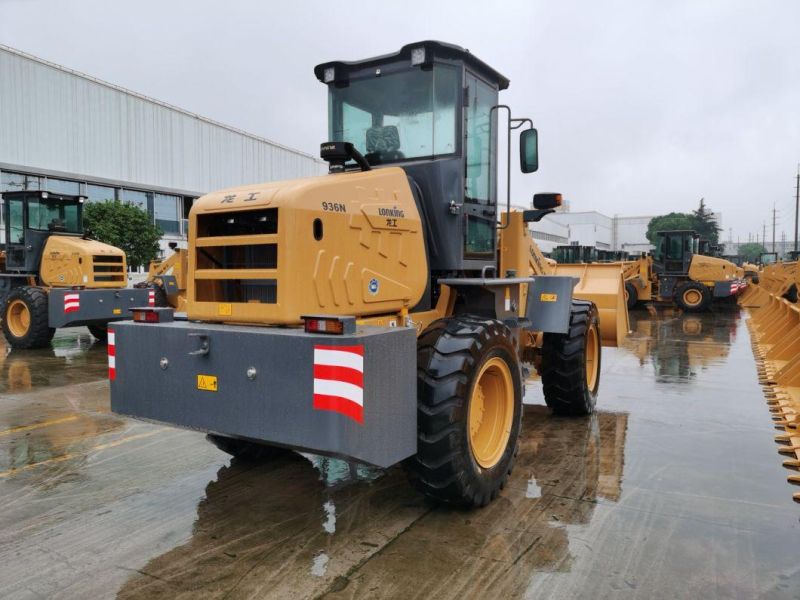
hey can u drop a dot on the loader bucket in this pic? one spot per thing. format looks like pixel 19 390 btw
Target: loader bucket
pixel 602 283
pixel 775 335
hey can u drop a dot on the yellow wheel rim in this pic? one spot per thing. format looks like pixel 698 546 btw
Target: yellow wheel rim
pixel 592 356
pixel 692 297
pixel 18 318
pixel 491 412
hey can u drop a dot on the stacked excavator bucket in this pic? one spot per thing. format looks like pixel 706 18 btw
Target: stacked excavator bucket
pixel 775 333
pixel 774 281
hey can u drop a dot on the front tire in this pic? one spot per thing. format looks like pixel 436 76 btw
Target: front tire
pixel 160 296
pixel 469 414
pixel 571 363
pixel 691 296
pixel 631 295
pixel 26 320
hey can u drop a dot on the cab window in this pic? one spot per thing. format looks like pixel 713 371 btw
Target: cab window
pixel 16 227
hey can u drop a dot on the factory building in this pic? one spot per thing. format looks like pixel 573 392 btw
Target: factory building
pixel 67 132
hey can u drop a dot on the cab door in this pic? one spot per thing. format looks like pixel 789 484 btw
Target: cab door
pixel 15 233
pixel 480 185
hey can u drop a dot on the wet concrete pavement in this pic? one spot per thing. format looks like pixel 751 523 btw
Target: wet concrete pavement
pixel 674 489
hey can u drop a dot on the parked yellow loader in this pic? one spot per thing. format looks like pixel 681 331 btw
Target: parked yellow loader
pixel 383 312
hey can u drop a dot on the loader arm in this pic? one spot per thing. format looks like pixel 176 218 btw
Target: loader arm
pixel 601 283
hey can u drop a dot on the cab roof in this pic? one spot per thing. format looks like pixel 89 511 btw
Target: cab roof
pixel 433 50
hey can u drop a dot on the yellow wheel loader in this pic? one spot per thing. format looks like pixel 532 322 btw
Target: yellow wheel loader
pixel 379 313
pixel 676 273
pixel 52 275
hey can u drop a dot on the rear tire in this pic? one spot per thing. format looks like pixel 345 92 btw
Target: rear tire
pixel 26 320
pixel 631 295
pixel 99 331
pixel 469 415
pixel 161 299
pixel 244 450
pixel 571 363
pixel 691 296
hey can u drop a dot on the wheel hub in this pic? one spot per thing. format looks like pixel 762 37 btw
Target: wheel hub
pixel 491 412
pixel 19 318
pixel 692 297
pixel 592 353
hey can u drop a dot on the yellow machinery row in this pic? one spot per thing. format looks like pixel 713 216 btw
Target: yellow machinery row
pixel 775 331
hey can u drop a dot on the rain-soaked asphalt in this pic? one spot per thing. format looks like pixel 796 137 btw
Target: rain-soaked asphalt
pixel 674 489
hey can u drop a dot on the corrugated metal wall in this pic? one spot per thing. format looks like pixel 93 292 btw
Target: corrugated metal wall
pixel 54 119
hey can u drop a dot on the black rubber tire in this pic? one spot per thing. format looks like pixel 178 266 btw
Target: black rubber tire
pixel 791 293
pixel 39 333
pixel 633 295
pixel 246 451
pixel 99 331
pixel 563 368
pixel 705 303
pixel 450 354
pixel 160 295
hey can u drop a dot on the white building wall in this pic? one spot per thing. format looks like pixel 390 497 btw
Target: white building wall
pixel 56 120
pixel 548 234
pixel 630 234
pixel 587 228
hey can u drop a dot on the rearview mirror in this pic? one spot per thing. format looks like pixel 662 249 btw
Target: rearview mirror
pixel 529 151
pixel 546 201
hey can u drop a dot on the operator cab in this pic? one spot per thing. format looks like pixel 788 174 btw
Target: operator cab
pixel 33 216
pixel 768 258
pixel 674 251
pixel 432 109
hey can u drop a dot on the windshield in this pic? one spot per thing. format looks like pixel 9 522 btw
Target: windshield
pixel 397 116
pixel 62 215
pixel 768 259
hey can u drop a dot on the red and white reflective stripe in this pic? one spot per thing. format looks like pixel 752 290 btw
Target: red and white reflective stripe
pixel 112 356
pixel 339 380
pixel 151 297
pixel 72 303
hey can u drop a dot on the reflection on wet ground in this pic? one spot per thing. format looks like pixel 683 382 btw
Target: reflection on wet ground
pixel 671 490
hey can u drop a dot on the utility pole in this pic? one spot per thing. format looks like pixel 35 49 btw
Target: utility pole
pixel 764 234
pixel 796 205
pixel 773 228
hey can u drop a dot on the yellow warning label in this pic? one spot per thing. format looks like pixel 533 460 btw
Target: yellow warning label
pixel 117 311
pixel 207 383
pixel 225 309
pixel 548 297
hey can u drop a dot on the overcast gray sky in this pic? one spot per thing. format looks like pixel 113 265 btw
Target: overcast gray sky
pixel 642 106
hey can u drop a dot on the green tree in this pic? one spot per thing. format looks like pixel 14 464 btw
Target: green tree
pixel 669 222
pixel 751 251
pixel 124 226
pixel 706 223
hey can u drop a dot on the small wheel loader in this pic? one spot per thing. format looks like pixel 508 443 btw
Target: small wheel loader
pixel 678 274
pixel 385 312
pixel 52 275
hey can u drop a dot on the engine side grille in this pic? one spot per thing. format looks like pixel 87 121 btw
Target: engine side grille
pixel 108 268
pixel 228 270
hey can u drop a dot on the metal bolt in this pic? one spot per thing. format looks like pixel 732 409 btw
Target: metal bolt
pixel 251 373
pixel 163 363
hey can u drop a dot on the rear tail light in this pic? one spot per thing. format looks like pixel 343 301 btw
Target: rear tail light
pixel 332 325
pixel 149 314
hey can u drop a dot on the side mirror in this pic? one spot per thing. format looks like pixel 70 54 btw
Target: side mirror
pixel 529 151
pixel 546 201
